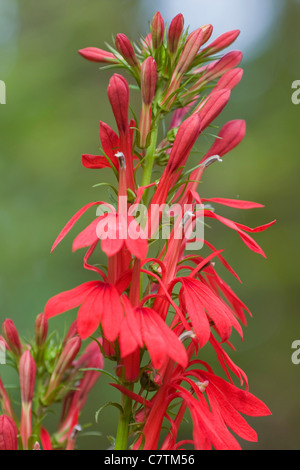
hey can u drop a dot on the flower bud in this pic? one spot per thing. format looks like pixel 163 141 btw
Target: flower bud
pixel 125 48
pixel 228 138
pixel 187 56
pixel 230 79
pixel 185 139
pixel 118 95
pixel 8 434
pixel 72 332
pixel 27 371
pixel 5 401
pixel 67 356
pixel 41 330
pixel 212 107
pixel 148 80
pixel 189 52
pixel 98 55
pixel 221 42
pixel 174 33
pixel 226 63
pixel 216 69
pixel 207 32
pixel 148 85
pixel 157 30
pixel 11 336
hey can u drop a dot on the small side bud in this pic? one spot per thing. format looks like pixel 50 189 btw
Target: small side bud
pixel 148 80
pixel 174 33
pixel 223 41
pixel 98 55
pixel 207 32
pixel 68 354
pixel 157 30
pixel 27 372
pixel 11 336
pixel 126 50
pixel 148 86
pixel 41 330
pixel 8 434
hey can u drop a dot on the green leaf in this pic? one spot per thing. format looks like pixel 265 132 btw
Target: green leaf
pixel 111 403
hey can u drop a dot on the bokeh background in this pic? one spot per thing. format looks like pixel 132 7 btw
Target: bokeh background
pixel 55 100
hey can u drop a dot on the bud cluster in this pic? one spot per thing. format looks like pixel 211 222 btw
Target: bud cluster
pixel 49 373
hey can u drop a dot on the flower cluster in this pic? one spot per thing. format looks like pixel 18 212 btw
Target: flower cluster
pixel 50 372
pixel 155 305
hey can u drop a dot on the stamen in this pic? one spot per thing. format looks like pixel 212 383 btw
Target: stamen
pixel 187 216
pixel 187 335
pixel 75 431
pixel 210 160
pixel 121 157
pixel 202 385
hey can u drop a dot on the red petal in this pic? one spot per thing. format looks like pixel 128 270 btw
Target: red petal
pixel 112 315
pixel 243 401
pixel 160 340
pixel 72 222
pixel 89 314
pixel 136 241
pixel 110 142
pixel 69 299
pixel 88 236
pixel 94 161
pixel 244 236
pixel 236 203
pixel 197 315
pixel 45 439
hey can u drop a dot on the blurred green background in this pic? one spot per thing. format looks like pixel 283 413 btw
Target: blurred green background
pixel 55 100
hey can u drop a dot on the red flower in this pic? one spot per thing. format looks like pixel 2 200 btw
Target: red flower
pixel 99 303
pixel 141 327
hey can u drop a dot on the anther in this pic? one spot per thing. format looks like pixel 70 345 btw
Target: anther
pixel 210 160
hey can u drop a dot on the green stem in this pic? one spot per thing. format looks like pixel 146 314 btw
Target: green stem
pixel 149 160
pixel 124 421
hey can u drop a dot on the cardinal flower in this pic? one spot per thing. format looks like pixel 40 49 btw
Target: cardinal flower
pixel 99 304
pixel 142 326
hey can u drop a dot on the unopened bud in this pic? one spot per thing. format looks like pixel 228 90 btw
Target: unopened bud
pixel 207 32
pixel 157 30
pixel 27 372
pixel 98 55
pixel 67 356
pixel 221 42
pixel 126 50
pixel 11 336
pixel 72 332
pixel 148 80
pixel 174 33
pixel 5 401
pixel 8 434
pixel 190 50
pixel 118 95
pixel 230 79
pixel 41 330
